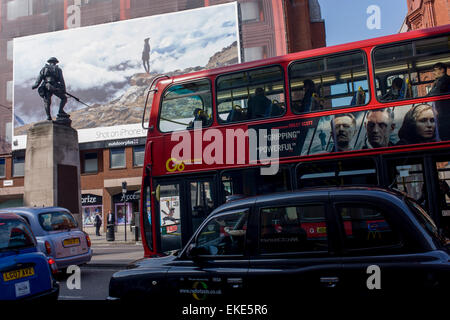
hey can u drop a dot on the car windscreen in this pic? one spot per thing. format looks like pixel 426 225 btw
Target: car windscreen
pixel 57 221
pixel 15 234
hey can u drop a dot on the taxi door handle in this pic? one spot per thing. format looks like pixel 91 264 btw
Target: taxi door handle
pixel 236 283
pixel 329 282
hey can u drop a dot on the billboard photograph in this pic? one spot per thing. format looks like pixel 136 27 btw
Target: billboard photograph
pixel 109 67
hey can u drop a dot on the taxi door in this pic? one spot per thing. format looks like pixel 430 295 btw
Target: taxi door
pixel 294 252
pixel 214 266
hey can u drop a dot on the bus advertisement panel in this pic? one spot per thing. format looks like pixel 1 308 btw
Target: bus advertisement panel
pixel 110 67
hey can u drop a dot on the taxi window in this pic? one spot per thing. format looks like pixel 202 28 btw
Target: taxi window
pixel 53 221
pixel 293 229
pixel 366 227
pixel 224 235
pixel 14 234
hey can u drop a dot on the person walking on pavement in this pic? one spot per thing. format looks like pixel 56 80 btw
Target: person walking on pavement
pixel 98 224
pixel 51 82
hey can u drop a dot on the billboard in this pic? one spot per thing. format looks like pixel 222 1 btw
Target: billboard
pixel 110 67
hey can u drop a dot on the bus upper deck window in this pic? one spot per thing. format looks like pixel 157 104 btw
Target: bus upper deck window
pixel 329 82
pixel 412 69
pixel 250 94
pixel 185 105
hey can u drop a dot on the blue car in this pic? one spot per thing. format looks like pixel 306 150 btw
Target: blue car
pixel 25 272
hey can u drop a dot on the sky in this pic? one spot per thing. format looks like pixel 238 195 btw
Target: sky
pixel 97 61
pixel 346 20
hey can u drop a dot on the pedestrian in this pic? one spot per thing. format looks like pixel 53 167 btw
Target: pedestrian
pixel 111 218
pixel 98 224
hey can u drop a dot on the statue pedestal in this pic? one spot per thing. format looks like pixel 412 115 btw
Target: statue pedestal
pixel 52 168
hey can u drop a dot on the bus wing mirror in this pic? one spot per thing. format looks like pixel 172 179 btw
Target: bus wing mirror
pixel 157 193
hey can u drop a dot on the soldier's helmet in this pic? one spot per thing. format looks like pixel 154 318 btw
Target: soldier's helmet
pixel 53 59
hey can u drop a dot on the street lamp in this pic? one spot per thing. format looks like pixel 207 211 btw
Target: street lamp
pixel 124 193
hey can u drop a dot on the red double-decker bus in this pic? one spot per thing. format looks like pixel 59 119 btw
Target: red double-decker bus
pixel 372 112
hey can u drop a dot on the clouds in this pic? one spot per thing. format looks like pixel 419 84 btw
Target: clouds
pixel 100 56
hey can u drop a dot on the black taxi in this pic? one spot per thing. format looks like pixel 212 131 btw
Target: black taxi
pixel 324 240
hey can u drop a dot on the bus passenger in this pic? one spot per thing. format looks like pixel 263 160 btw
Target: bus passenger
pixel 308 102
pixel 379 126
pixel 395 92
pixel 441 83
pixel 344 130
pixel 199 115
pixel 418 126
pixel 259 105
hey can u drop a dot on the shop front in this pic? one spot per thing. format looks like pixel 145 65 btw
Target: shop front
pixel 126 204
pixel 91 205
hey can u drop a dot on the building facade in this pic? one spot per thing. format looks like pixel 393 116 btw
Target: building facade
pixel 267 28
pixel 427 14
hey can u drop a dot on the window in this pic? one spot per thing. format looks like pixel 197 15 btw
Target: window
pixel 14 234
pixel 138 156
pixel 2 168
pixel 250 11
pixel 329 82
pixel 170 208
pixel 253 53
pixel 251 94
pixel 18 166
pixel 202 202
pixel 91 162
pixel 341 172
pixel 9 50
pixel 366 227
pixel 117 158
pixel 19 8
pixel 250 182
pixel 406 70
pixel 293 229
pixel 224 235
pixel 54 221
pixel 185 104
pixel 9 90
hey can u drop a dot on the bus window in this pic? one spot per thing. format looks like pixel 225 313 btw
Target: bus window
pixel 202 202
pixel 250 182
pixel 410 70
pixel 170 217
pixel 407 175
pixel 251 94
pixel 185 103
pixel 336 173
pixel 329 82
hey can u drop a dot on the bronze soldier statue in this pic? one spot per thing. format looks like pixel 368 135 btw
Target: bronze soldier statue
pixel 52 80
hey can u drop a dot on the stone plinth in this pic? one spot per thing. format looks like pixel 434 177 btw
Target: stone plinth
pixel 52 167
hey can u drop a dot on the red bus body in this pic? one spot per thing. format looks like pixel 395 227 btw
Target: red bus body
pixel 159 162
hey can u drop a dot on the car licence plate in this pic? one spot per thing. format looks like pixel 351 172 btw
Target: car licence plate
pixel 71 242
pixel 18 274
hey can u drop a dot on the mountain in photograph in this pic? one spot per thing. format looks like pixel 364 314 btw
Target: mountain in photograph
pixel 128 108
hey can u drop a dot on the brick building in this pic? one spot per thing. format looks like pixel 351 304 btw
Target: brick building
pixel 427 14
pixel 267 28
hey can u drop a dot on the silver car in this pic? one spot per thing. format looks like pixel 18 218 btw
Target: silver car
pixel 57 234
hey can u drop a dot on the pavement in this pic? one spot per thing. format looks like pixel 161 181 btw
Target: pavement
pixel 118 253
